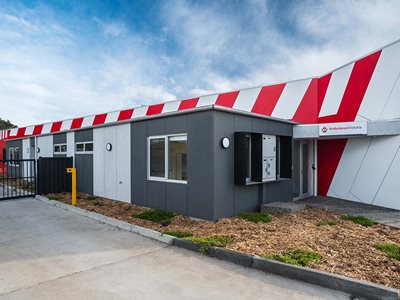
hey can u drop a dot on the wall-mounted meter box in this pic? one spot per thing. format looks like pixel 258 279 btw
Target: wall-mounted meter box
pixel 268 157
pixel 255 157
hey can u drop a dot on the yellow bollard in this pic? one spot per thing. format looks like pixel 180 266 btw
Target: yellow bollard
pixel 73 172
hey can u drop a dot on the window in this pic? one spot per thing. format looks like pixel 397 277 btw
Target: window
pixel 60 149
pixel 84 147
pixel 177 157
pixel 168 158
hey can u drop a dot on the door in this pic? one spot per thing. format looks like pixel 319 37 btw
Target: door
pixel 303 169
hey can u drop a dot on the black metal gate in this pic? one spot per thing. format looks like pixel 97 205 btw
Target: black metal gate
pixel 52 175
pixel 17 178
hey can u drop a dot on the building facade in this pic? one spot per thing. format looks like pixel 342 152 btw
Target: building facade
pixel 218 155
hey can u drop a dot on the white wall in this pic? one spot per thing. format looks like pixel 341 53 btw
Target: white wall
pixel 45 143
pixel 112 168
pixel 369 172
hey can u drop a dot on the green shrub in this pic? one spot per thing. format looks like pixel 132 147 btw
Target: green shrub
pixel 391 250
pixel 296 256
pixel 179 234
pixel 208 241
pixel 156 215
pixel 91 197
pixel 255 217
pixel 364 221
pixel 327 223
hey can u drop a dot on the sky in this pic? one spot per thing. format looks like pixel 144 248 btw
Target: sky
pixel 63 59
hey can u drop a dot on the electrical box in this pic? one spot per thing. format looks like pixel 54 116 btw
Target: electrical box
pixel 268 157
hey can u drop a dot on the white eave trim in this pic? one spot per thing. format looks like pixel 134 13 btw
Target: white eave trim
pixel 374 128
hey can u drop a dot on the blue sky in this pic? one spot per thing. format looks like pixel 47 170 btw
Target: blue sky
pixel 60 59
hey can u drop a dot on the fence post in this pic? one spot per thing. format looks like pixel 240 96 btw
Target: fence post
pixel 73 173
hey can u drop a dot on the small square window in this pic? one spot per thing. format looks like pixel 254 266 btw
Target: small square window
pixel 80 147
pixel 88 147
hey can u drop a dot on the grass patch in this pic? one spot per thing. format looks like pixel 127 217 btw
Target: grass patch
pixel 326 223
pixel 255 217
pixel 391 250
pixel 156 215
pixel 98 203
pixel 296 256
pixel 179 234
pixel 364 221
pixel 208 241
pixel 90 197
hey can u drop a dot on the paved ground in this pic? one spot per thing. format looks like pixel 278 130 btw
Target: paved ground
pixel 381 215
pixel 50 253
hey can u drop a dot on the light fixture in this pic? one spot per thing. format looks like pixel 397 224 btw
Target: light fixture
pixel 225 142
pixel 38 150
pixel 108 147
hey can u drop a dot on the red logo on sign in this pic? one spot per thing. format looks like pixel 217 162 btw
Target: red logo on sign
pixel 324 129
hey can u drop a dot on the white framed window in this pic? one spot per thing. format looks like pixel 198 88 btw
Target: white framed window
pixel 167 158
pixel 60 149
pixel 84 147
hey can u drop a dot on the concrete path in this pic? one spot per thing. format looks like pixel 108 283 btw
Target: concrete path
pixel 50 253
pixel 379 214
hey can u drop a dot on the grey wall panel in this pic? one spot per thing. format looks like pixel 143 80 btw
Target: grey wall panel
pixel 84 173
pixel 287 129
pixel 231 199
pixel 84 135
pixel 200 165
pixel 156 194
pixel 176 198
pixel 59 138
pixel 176 124
pixel 243 123
pixel 224 191
pixel 156 127
pixel 139 163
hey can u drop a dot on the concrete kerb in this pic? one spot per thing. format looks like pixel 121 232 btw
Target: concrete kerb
pixel 111 221
pixel 354 287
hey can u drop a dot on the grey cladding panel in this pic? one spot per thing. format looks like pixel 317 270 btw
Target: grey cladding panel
pixel 60 138
pixel 176 198
pixel 84 135
pixel 200 165
pixel 155 127
pixel 139 163
pixel 156 194
pixel 176 124
pixel 224 196
pixel 84 173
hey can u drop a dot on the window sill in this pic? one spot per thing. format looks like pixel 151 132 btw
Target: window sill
pixel 167 180
pixel 266 181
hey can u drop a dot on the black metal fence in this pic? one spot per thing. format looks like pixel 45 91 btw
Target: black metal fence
pixel 52 175
pixel 17 178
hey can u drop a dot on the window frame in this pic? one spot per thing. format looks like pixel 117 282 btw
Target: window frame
pixel 84 147
pixel 166 158
pixel 60 145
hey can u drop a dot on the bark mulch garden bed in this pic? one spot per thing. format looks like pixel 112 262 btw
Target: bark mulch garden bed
pixel 343 247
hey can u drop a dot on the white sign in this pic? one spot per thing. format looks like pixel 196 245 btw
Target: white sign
pixel 344 128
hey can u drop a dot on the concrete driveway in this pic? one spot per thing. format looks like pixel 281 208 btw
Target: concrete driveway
pixel 50 253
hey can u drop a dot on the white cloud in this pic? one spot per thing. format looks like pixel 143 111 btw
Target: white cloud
pixel 50 69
